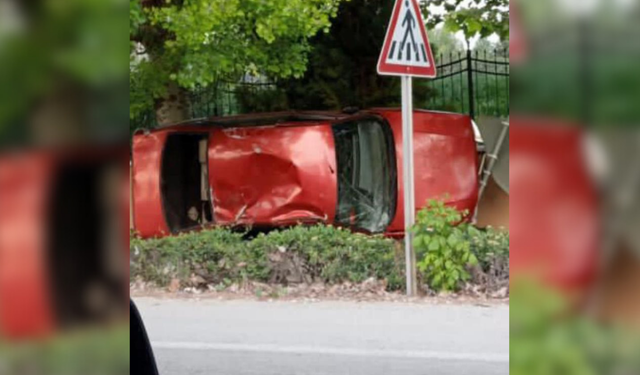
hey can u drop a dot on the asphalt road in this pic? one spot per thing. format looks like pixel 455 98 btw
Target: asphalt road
pixel 329 338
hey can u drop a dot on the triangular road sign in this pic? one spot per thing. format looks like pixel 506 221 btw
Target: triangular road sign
pixel 406 50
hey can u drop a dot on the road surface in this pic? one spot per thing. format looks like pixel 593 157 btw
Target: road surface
pixel 329 338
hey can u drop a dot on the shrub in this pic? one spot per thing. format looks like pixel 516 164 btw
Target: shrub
pixel 328 254
pixel 307 254
pixel 103 351
pixel 547 337
pixel 491 247
pixel 442 246
pixel 295 255
pixel 488 244
pixel 214 255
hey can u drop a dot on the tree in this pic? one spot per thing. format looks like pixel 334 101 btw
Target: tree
pixel 343 63
pixel 444 42
pixel 182 44
pixel 473 17
pixel 62 69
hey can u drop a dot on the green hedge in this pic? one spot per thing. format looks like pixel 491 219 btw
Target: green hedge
pixel 299 254
pixel 96 352
pixel 308 254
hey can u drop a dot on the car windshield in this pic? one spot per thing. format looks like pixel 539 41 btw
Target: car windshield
pixel 366 175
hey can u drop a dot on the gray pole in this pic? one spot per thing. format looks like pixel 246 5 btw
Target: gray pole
pixel 409 185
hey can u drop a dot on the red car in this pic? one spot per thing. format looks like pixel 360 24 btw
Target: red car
pixel 63 239
pixel 274 170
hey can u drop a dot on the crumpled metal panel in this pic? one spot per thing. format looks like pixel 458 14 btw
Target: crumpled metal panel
pixel 277 175
pixel 446 161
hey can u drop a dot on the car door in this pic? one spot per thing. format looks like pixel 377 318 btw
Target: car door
pixel 445 161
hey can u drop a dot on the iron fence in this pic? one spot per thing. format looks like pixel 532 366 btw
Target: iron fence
pixel 472 82
pixel 218 99
pixel 225 98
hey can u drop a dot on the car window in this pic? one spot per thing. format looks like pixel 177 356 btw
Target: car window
pixel 185 183
pixel 366 173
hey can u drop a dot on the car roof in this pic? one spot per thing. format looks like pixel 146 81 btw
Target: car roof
pixel 266 119
pixel 281 118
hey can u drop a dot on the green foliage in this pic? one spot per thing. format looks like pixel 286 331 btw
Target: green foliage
pixel 489 244
pixel 215 253
pixel 306 254
pixel 491 248
pixel 474 18
pixel 197 42
pixel 334 255
pixel 220 256
pixel 490 78
pixel 73 42
pixel 260 99
pixel 546 337
pixel 95 352
pixel 442 245
pixel 342 68
pixel 490 94
pixel 444 42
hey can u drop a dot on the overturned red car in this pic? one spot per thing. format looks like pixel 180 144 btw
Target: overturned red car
pixel 63 239
pixel 281 169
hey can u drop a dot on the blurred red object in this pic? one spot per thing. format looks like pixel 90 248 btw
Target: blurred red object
pixel 25 303
pixel 554 215
pixel 35 270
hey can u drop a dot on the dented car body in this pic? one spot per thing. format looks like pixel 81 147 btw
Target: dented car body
pixel 282 169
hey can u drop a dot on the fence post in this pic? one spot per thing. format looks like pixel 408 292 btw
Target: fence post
pixel 472 104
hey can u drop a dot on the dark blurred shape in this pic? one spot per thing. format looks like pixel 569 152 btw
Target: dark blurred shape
pixel 145 363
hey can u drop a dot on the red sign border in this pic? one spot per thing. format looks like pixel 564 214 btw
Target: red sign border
pixel 404 70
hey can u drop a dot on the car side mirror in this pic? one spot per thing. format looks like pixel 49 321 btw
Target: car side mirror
pixel 142 360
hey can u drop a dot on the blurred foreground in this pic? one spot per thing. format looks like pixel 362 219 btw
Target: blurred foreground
pixel 575 202
pixel 63 187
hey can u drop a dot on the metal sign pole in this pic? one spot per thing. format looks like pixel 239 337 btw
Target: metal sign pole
pixel 408 181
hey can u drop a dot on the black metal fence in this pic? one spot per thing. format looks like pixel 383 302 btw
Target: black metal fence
pixel 224 98
pixel 218 99
pixel 472 82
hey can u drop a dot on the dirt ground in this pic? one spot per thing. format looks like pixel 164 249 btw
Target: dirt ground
pixel 369 291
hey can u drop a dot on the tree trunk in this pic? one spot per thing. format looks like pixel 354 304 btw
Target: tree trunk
pixel 58 118
pixel 172 108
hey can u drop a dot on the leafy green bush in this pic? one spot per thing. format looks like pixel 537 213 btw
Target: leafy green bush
pixel 548 337
pixel 442 246
pixel 214 255
pixel 102 351
pixel 488 244
pixel 491 247
pixel 331 255
pixel 295 255
pixel 308 254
